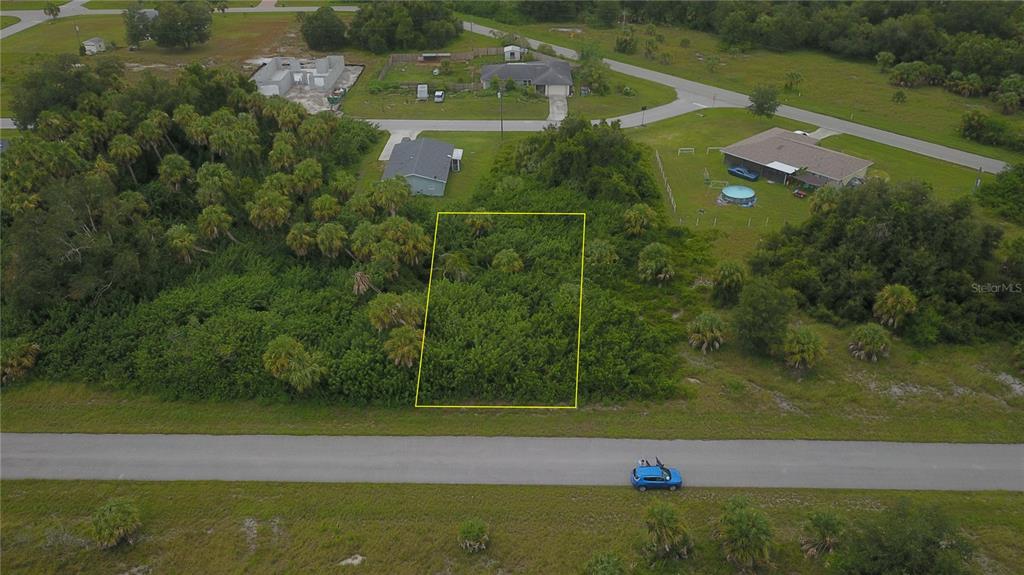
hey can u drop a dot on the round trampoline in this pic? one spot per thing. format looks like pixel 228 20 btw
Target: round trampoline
pixel 738 195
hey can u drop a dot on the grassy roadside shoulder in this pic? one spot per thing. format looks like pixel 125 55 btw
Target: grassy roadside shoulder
pixel 716 412
pixel 222 527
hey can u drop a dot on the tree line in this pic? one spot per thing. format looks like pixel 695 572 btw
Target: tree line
pixel 381 27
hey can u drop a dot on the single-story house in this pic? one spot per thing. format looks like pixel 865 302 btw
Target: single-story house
pixel 514 53
pixel 94 46
pixel 279 74
pixel 780 156
pixel 425 163
pixel 551 78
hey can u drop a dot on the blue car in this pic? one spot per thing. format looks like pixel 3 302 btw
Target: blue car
pixel 741 172
pixel 656 477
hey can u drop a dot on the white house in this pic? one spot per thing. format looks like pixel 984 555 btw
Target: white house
pixel 94 46
pixel 514 53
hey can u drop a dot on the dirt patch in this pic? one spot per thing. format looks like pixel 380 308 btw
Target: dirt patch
pixel 353 560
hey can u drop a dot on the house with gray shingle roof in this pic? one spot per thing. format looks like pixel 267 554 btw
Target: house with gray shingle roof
pixel 780 155
pixel 551 78
pixel 424 162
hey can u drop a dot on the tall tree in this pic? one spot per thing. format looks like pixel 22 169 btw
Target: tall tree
pixel 301 238
pixel 331 238
pixel 322 30
pixel 136 24
pixel 51 9
pixel 125 150
pixel 214 221
pixel 764 101
pixel 761 316
pixel 181 24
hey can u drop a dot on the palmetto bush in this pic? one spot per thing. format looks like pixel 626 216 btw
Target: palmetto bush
pixel 706 332
pixel 115 522
pixel 870 342
pixel 473 536
pixel 893 304
pixel 669 539
pixel 822 534
pixel 803 348
pixel 745 535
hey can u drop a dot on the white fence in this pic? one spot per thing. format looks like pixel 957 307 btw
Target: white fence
pixel 668 187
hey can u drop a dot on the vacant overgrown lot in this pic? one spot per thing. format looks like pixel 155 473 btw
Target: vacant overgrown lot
pixel 221 527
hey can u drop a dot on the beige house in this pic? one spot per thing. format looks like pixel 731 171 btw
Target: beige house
pixel 780 156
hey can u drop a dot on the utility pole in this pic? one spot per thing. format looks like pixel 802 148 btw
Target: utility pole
pixel 501 117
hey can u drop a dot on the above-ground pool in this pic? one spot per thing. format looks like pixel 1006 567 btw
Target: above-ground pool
pixel 739 195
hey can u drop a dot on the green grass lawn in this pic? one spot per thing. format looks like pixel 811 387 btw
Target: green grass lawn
pixel 740 229
pixel 6 21
pixel 360 103
pixel 845 89
pixel 28 4
pixel 230 527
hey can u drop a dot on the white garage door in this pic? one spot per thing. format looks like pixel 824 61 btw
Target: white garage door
pixel 557 91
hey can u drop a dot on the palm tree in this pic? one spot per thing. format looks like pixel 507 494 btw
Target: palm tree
pixel 315 131
pixel 325 208
pixel 287 359
pixel 825 199
pixel 601 253
pixel 729 278
pixel 162 121
pixel 803 348
pixel 341 184
pixel 639 219
pixel 653 263
pixel 480 224
pixel 215 182
pixel 410 238
pixel 893 304
pixel 669 539
pixel 391 310
pixel 870 342
pixel 182 242
pixel 301 238
pixel 822 534
pixel 214 221
pixel 455 266
pixel 403 345
pixel 363 239
pixel 384 259
pixel 148 135
pixel 745 535
pixel 174 170
pixel 331 238
pixel 282 155
pixel 390 195
pixel 361 283
pixel 269 210
pixel 507 261
pixel 125 150
pixel 706 332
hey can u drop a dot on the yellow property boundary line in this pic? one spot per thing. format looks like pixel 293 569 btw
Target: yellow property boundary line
pixel 579 326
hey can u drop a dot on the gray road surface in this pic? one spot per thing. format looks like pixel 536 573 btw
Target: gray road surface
pixel 510 460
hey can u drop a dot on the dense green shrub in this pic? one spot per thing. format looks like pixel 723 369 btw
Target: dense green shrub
pixel 473 536
pixel 880 234
pixel 115 522
pixel 905 538
pixel 761 316
pixel 1004 194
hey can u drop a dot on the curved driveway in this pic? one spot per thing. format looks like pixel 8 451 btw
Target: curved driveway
pixel 510 460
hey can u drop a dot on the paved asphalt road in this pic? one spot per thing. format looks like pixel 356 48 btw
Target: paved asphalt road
pixel 510 460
